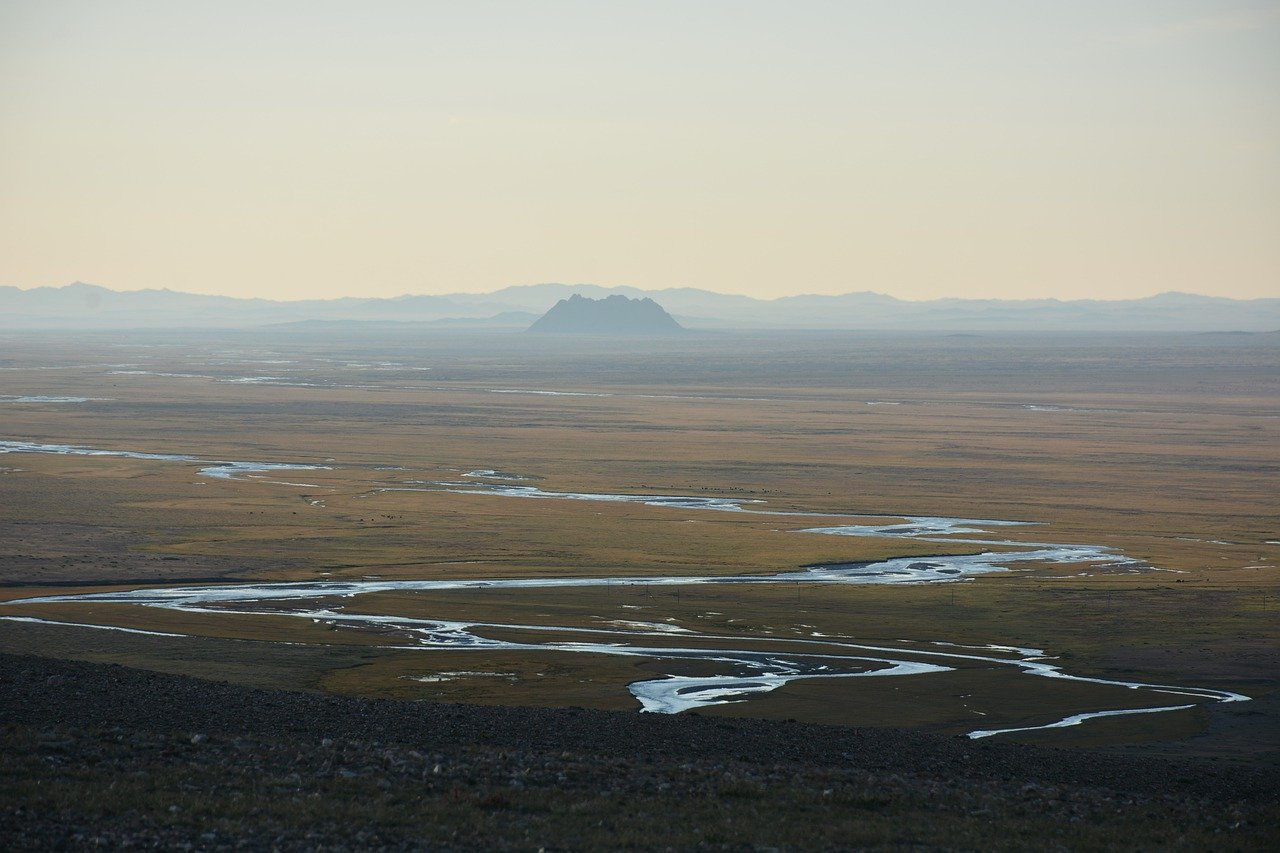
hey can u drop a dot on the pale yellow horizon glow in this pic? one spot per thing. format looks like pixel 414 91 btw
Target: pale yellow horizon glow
pixel 990 148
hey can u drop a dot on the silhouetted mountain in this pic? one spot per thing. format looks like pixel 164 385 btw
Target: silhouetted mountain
pixel 614 315
pixel 86 306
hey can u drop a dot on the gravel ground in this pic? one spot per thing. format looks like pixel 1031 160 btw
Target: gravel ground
pixel 98 755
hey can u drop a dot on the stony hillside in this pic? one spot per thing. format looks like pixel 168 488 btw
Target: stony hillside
pixel 99 755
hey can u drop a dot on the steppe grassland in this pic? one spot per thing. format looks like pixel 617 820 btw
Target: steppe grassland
pixel 1182 448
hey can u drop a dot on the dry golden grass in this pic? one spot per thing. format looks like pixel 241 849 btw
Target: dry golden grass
pixel 1173 463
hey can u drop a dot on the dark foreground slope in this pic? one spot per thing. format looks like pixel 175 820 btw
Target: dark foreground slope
pixel 105 755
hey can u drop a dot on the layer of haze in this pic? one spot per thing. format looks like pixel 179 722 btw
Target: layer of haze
pixel 990 148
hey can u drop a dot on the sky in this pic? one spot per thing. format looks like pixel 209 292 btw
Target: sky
pixel 921 148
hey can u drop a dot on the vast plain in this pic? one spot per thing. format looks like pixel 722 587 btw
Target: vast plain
pixel 444 457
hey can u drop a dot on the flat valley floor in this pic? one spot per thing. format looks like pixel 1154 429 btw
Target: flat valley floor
pixel 515 479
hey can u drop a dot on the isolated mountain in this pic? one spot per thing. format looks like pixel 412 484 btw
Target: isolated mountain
pixel 86 306
pixel 614 315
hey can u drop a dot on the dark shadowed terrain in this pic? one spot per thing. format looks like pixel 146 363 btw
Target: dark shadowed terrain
pixel 106 755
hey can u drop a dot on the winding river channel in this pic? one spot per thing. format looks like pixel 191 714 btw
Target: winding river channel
pixel 752 665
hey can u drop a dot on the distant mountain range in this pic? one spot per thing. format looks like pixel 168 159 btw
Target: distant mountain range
pixel 86 306
pixel 616 314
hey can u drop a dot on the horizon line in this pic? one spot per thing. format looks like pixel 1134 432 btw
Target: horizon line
pixel 1152 295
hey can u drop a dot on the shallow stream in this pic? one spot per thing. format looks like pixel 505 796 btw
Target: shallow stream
pixel 765 664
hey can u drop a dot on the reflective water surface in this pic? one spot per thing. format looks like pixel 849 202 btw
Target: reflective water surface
pixel 753 666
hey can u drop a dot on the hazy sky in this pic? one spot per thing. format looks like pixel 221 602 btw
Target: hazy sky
pixel 921 148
